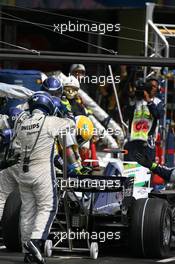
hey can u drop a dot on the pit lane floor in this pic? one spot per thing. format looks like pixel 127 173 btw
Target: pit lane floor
pixel 106 258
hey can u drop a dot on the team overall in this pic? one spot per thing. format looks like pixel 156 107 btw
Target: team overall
pixel 38 185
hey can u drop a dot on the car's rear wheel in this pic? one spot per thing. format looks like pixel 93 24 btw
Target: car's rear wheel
pixel 10 222
pixel 151 224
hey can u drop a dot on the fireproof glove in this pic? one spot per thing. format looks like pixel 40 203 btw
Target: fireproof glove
pixel 144 160
pixel 4 164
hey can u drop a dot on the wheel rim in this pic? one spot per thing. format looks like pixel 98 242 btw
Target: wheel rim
pixel 166 230
pixel 48 248
pixel 94 250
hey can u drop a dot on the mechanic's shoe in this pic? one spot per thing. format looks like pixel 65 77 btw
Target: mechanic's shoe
pixel 28 258
pixel 34 251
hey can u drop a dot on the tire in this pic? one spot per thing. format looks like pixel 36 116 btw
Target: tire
pixel 150 230
pixel 10 222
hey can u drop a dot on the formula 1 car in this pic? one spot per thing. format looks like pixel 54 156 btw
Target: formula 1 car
pixel 108 208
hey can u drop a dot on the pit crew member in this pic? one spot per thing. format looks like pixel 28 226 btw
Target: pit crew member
pixel 37 186
pixel 11 150
pixel 143 112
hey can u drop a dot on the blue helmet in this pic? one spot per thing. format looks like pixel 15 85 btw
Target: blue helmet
pixel 13 114
pixel 53 86
pixel 42 101
pixel 6 136
pixel 58 106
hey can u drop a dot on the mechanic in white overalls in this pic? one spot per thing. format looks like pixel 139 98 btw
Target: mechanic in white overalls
pixel 9 174
pixel 37 186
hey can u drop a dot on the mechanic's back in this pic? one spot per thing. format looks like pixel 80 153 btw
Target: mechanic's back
pixel 47 127
pixel 37 178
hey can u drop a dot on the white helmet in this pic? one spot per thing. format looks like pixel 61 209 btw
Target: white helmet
pixel 71 81
pixel 43 76
pixel 79 67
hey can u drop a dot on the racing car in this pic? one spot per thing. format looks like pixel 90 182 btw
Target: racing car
pixel 132 213
pixel 128 209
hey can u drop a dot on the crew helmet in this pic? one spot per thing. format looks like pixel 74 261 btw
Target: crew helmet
pixel 84 129
pixel 52 85
pixel 58 106
pixel 13 114
pixel 71 87
pixel 71 81
pixel 6 136
pixel 77 67
pixel 42 101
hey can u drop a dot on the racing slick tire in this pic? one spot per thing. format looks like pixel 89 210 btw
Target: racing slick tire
pixel 10 222
pixel 150 230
